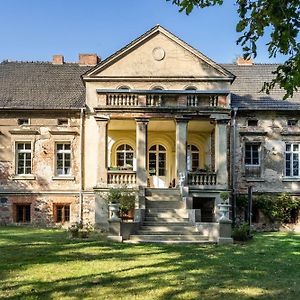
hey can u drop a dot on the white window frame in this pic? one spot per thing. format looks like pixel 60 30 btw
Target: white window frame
pixel 258 150
pixel 19 119
pixel 25 152
pixel 292 152
pixel 125 152
pixel 63 152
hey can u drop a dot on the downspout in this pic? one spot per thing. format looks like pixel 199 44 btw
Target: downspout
pixel 233 166
pixel 81 166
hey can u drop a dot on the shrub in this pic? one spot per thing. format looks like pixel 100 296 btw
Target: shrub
pixel 241 232
pixel 241 201
pixel 277 207
pixel 224 196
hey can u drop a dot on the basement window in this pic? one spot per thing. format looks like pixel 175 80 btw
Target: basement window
pixel 22 213
pixel 252 123
pixel 61 213
pixel 292 122
pixel 62 122
pixel 23 121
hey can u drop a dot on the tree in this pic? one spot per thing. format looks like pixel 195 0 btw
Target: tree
pixel 281 18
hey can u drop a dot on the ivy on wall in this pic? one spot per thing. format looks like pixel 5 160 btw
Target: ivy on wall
pixel 276 207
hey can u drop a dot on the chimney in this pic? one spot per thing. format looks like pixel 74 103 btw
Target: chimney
pixel 241 61
pixel 88 59
pixel 58 60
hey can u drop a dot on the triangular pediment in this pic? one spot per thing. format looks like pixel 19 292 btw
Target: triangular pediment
pixel 158 54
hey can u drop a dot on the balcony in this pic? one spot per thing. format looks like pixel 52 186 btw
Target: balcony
pixel 202 178
pixel 163 98
pixel 121 177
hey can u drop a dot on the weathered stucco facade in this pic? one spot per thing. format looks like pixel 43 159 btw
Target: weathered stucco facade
pixel 156 115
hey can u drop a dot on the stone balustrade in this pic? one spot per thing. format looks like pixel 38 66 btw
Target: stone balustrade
pixel 122 100
pixel 202 178
pixel 154 100
pixel 121 177
pixel 192 100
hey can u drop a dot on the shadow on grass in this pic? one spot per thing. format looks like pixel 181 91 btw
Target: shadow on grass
pixel 43 264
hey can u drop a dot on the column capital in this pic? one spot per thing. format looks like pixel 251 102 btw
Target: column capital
pixel 222 121
pixel 142 120
pixel 182 119
pixel 102 118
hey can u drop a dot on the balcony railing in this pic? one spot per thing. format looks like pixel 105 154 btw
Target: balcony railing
pixel 202 178
pixel 121 177
pixel 154 100
pixel 122 100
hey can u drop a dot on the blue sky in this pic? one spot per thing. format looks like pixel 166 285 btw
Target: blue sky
pixel 33 30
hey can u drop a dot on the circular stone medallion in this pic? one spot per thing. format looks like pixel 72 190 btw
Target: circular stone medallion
pixel 158 53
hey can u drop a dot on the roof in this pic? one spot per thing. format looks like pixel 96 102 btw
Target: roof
pixel 248 83
pixel 41 85
pixel 147 35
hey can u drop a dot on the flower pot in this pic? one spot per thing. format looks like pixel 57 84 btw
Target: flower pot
pixel 114 211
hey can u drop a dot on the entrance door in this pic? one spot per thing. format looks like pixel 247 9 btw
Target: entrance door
pixel 157 166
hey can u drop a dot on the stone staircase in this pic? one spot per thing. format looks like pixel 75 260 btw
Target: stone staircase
pixel 166 220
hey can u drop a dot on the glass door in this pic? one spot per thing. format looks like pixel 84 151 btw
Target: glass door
pixel 157 166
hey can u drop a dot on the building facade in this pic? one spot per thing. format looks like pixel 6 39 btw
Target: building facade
pixel 157 116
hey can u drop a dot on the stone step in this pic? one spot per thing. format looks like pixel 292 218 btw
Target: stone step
pixel 168 214
pixel 169 228
pixel 158 191
pixel 204 242
pixel 168 237
pixel 159 223
pixel 163 198
pixel 166 219
pixel 179 232
pixel 165 204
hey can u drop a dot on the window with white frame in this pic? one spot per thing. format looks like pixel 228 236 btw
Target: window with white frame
pixel 125 156
pixel 23 158
pixel 63 159
pixel 193 159
pixel 252 159
pixel 292 160
pixel 251 154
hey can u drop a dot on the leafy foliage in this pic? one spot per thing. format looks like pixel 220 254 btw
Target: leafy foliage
pixel 281 19
pixel 123 196
pixel 277 208
pixel 241 232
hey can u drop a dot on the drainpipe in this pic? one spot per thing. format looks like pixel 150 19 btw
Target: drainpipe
pixel 233 169
pixel 81 166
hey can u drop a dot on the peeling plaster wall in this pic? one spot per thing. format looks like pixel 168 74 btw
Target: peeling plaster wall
pixel 271 133
pixel 43 189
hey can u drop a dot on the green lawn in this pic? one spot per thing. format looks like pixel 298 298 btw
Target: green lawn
pixel 44 264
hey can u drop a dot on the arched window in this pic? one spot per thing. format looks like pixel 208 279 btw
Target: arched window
pixel 158 88
pixel 124 87
pixel 193 158
pixel 125 156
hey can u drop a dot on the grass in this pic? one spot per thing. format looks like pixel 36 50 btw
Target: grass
pixel 44 264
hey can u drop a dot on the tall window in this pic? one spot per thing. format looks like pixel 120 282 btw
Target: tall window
pixel 23 157
pixel 22 213
pixel 157 160
pixel 125 156
pixel 252 160
pixel 63 159
pixel 61 213
pixel 193 158
pixel 251 154
pixel 292 160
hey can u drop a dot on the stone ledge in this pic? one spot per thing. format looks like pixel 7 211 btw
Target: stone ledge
pixel 63 178
pixel 24 177
pixel 287 179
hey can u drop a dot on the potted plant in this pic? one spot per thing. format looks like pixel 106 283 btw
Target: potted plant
pixel 113 199
pixel 224 206
pixel 127 203
pixel 225 197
